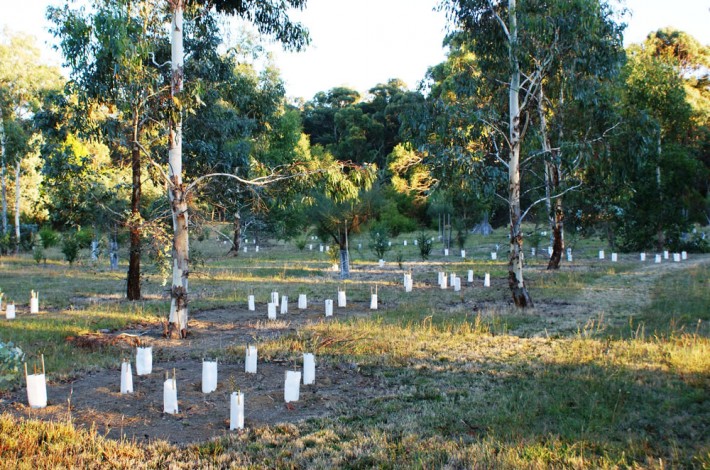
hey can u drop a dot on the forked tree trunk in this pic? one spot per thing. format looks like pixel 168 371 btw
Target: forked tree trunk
pixel 520 294
pixel 133 288
pixel 177 321
pixel 18 169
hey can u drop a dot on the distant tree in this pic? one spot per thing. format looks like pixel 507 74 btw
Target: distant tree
pixel 111 49
pixel 23 82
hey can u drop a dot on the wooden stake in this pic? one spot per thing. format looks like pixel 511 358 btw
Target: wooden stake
pixel 25 371
pixel 42 363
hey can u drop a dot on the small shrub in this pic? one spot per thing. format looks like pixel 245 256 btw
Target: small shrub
pixel 70 248
pixel 334 253
pixel 400 259
pixel 49 237
pixel 11 358
pixel 379 240
pixel 461 237
pixel 533 239
pixel 27 241
pixel 38 254
pixel 693 243
pixel 425 245
pixel 301 243
pixel 5 243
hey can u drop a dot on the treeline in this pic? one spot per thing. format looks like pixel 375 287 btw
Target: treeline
pixel 621 136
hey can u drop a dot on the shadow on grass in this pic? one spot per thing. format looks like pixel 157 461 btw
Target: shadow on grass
pixel 551 414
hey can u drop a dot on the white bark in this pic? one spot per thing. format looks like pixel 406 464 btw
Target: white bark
pixel 18 169
pixel 3 171
pixel 178 203
pixel 515 265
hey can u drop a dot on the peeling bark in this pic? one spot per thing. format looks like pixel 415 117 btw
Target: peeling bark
pixel 3 172
pixel 520 294
pixel 177 321
pixel 18 170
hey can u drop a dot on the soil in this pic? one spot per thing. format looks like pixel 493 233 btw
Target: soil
pixel 94 398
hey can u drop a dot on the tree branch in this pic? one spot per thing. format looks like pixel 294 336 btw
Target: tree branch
pixel 571 188
pixel 499 19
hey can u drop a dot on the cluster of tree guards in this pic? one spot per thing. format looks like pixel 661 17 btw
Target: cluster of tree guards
pixel 537 115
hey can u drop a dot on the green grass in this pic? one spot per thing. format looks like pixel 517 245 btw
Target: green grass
pixel 459 390
pixel 680 303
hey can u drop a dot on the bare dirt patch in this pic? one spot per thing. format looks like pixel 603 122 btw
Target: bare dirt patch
pixel 94 398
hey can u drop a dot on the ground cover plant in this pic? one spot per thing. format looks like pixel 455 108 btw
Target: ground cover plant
pixel 610 369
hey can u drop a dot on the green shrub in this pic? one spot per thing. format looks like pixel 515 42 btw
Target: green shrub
pixel 11 358
pixel 83 237
pixel 461 237
pixel 70 248
pixel 425 245
pixel 49 237
pixel 301 243
pixel 379 239
pixel 38 254
pixel 395 221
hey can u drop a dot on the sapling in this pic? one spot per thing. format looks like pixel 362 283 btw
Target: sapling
pixel 38 254
pixel 425 245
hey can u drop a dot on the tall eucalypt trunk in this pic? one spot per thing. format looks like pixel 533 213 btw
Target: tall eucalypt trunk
pixel 133 286
pixel 515 264
pixel 177 321
pixel 18 171
pixel 555 214
pixel 3 171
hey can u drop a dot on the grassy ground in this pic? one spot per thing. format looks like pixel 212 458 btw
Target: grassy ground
pixel 622 381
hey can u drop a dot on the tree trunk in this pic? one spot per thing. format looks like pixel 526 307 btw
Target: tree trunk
pixel 520 294
pixel 344 263
pixel 177 321
pixel 95 249
pixel 133 288
pixel 237 240
pixel 18 169
pixel 558 236
pixel 3 173
pixel 113 254
pixel 555 214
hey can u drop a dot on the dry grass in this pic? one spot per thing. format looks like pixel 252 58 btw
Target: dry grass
pixel 610 370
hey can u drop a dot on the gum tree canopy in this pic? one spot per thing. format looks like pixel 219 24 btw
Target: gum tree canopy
pixel 270 17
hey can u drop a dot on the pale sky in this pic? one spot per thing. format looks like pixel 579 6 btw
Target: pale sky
pixel 365 42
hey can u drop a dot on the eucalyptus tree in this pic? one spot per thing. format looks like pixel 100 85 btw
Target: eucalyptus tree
pixel 691 61
pixel 319 114
pixel 495 31
pixel 518 50
pixel 111 50
pixel 270 17
pixel 23 82
pixel 654 164
pixel 573 113
pixel 339 205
